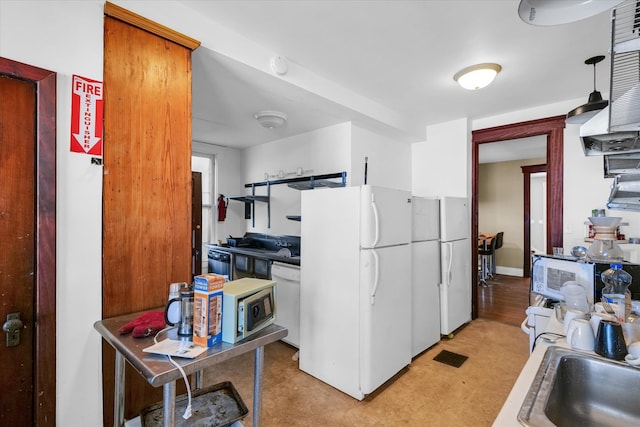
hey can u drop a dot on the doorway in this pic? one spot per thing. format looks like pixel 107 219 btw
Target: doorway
pixel 553 129
pixel 535 182
pixel 28 241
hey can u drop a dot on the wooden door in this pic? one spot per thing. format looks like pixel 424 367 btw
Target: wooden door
pixel 27 242
pixel 17 246
pixel 147 180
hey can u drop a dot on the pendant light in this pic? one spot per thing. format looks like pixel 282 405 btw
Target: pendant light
pixel 595 103
pixel 558 12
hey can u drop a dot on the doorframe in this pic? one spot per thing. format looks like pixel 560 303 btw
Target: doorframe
pixel 44 359
pixel 526 223
pixel 553 129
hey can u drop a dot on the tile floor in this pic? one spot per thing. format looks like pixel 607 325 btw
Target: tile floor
pixel 426 393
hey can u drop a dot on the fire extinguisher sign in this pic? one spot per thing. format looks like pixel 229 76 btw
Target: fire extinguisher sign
pixel 86 116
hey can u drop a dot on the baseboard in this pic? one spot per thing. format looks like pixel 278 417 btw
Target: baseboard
pixel 509 271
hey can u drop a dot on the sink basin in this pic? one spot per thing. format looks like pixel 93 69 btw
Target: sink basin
pixel 579 389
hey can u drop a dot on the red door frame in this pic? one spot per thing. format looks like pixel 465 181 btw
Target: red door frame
pixel 44 360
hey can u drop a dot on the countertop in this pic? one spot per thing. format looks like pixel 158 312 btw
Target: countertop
pixel 258 253
pixel 156 369
pixel 508 415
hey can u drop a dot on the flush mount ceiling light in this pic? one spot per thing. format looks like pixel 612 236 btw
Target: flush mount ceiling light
pixel 554 12
pixel 595 103
pixel 477 76
pixel 271 119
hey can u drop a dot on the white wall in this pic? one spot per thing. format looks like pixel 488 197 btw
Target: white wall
pixel 441 165
pixel 319 152
pixel 389 161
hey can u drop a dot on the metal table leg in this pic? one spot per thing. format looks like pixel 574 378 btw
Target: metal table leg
pixel 169 403
pixel 257 385
pixel 118 397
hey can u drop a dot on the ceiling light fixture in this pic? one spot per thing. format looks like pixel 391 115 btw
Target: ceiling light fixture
pixel 271 119
pixel 595 103
pixel 477 76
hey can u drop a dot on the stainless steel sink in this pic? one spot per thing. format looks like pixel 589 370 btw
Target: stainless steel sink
pixel 579 389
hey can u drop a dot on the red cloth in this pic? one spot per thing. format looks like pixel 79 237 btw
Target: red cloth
pixel 144 325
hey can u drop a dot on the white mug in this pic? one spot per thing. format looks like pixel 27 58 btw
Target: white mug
pixel 580 335
pixel 596 318
pixel 633 356
pixel 573 314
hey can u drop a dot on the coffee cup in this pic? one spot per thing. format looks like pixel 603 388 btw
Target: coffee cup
pixel 580 335
pixel 633 356
pixel 575 296
pixel 573 314
pixel 610 340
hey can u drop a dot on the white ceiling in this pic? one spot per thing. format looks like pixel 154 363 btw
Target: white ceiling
pixel 399 54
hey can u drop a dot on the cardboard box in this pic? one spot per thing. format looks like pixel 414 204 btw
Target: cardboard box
pixel 208 282
pixel 207 310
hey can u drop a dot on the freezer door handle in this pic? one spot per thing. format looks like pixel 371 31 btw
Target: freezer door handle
pixel 376 275
pixel 376 221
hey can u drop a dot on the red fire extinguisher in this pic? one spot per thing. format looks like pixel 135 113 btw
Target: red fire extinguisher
pixel 222 207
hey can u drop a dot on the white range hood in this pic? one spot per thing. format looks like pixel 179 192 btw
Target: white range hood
pixel 599 137
pixel 616 129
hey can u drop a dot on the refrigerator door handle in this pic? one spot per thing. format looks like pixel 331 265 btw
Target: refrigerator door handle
pixel 449 246
pixel 376 275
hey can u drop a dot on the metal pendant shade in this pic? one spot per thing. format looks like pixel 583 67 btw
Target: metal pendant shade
pixel 595 103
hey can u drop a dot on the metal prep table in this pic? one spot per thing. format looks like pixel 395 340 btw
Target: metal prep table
pixel 158 371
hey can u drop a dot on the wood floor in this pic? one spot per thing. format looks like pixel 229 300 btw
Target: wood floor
pixel 504 300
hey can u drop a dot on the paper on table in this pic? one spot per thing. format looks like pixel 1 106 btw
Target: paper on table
pixel 176 348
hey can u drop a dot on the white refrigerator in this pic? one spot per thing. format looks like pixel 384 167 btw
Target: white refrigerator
pixel 355 287
pixel 455 255
pixel 425 274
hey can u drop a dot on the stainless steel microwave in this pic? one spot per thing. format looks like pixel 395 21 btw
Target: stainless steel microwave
pixel 549 273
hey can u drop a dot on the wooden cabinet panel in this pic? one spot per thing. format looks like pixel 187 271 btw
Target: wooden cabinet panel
pixel 147 183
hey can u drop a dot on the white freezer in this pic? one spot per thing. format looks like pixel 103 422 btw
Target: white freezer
pixel 425 295
pixel 385 217
pixel 425 219
pixel 455 286
pixel 454 218
pixel 355 332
